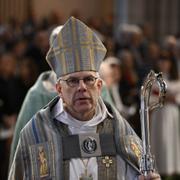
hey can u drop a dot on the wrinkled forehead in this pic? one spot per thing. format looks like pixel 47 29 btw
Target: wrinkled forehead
pixel 81 74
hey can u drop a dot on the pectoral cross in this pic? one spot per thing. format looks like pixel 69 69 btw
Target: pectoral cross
pixel 107 161
pixel 85 176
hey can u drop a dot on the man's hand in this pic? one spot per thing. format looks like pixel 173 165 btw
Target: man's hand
pixel 151 176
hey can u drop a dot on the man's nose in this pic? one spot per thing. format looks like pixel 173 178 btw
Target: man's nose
pixel 82 85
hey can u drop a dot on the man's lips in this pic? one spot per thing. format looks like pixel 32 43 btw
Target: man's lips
pixel 82 99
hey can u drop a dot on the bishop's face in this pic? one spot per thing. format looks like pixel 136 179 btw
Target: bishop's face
pixel 80 92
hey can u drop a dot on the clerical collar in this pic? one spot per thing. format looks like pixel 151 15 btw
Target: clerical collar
pixel 61 115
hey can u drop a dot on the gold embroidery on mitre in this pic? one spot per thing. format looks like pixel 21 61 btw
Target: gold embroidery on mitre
pixel 135 148
pixel 43 162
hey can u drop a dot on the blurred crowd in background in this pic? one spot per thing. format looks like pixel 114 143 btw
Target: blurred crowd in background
pixel 130 57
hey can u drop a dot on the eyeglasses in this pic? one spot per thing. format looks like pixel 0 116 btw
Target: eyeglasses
pixel 74 82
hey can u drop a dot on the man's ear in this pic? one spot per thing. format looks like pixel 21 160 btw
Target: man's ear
pixel 59 88
pixel 99 84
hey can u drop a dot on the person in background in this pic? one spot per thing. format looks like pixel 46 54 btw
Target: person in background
pixel 42 92
pixel 110 72
pixel 37 50
pixel 130 79
pixel 165 123
pixel 8 109
pixel 37 97
pixel 106 74
pixel 129 86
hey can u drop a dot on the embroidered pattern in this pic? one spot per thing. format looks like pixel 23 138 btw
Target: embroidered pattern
pixel 135 148
pixel 42 162
pixel 107 161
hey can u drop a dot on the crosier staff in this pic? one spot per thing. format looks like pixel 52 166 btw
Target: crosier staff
pixel 147 162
